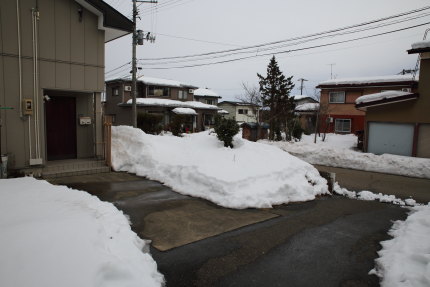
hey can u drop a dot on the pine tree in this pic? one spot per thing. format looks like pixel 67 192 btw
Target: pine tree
pixel 275 91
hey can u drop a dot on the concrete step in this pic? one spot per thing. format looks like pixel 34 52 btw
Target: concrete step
pixel 74 171
pixel 61 166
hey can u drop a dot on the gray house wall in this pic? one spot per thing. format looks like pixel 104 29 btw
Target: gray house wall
pixel 70 62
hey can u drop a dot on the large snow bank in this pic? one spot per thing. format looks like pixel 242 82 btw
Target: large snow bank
pixel 367 80
pixel 337 151
pixel 381 96
pixel 56 236
pixel 249 175
pixel 405 259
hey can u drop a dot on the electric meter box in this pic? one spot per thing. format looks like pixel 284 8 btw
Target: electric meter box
pixel 27 107
pixel 85 121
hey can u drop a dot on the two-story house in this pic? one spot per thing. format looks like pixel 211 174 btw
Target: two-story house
pixel 157 96
pixel 206 96
pixel 52 64
pixel 240 111
pixel 398 122
pixel 337 103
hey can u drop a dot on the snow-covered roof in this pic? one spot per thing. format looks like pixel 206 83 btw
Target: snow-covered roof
pixel 421 45
pixel 162 82
pixel 184 111
pixel 205 92
pixel 172 103
pixel 223 112
pixel 381 96
pixel 308 107
pixel 235 103
pixel 368 80
pixel 299 97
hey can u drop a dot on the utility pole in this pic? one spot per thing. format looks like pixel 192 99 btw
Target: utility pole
pixel 301 85
pixel 331 69
pixel 137 39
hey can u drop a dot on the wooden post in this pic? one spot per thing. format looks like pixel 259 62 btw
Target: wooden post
pixel 107 130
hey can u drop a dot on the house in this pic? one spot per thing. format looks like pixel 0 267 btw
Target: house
pixel 206 96
pixel 52 76
pixel 308 114
pixel 398 122
pixel 160 97
pixel 338 97
pixel 303 99
pixel 240 111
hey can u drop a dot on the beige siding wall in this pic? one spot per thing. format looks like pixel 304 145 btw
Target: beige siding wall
pixel 71 58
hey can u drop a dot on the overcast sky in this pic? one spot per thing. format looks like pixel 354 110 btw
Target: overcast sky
pixel 230 24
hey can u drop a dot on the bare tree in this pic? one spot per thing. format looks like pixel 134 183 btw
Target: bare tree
pixel 252 96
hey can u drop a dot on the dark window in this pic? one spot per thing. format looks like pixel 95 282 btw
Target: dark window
pixel 243 111
pixel 337 97
pixel 154 91
pixel 210 102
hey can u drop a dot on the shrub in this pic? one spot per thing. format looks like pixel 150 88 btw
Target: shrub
pixel 225 130
pixel 176 125
pixel 150 123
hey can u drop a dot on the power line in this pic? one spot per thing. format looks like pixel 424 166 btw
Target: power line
pixel 297 38
pixel 197 40
pixel 289 51
pixel 286 45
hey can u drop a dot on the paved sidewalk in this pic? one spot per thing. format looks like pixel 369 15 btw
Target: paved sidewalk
pixel 400 186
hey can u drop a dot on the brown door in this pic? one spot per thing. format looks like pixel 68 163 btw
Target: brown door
pixel 61 128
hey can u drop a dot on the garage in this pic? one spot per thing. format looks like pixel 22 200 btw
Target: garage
pixel 393 138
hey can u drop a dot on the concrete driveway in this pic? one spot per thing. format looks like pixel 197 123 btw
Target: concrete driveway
pixel 331 241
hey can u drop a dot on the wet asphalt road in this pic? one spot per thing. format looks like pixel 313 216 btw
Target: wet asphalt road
pixel 331 241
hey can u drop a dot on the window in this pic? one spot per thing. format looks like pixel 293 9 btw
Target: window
pixel 182 95
pixel 243 111
pixel 337 97
pixel 154 91
pixel 342 125
pixel 210 102
pixel 115 91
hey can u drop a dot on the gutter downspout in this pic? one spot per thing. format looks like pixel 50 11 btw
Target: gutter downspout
pixel 36 48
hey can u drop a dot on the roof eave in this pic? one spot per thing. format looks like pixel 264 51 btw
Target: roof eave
pixel 419 50
pixel 364 106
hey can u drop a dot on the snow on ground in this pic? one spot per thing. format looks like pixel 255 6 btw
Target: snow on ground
pixel 368 195
pixel 405 259
pixel 249 175
pixel 337 151
pixel 56 236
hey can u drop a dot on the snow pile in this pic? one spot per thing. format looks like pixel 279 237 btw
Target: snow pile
pixel 205 92
pixel 308 107
pixel 56 236
pixel 223 112
pixel 421 45
pixel 405 259
pixel 249 175
pixel 370 196
pixel 337 151
pixel 184 111
pixel 367 80
pixel 381 96
pixel 172 103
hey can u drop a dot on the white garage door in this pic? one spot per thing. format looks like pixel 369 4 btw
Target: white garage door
pixel 390 138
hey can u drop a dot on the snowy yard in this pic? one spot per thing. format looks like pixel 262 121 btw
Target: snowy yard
pixel 55 236
pixel 338 151
pixel 249 175
pixel 405 259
